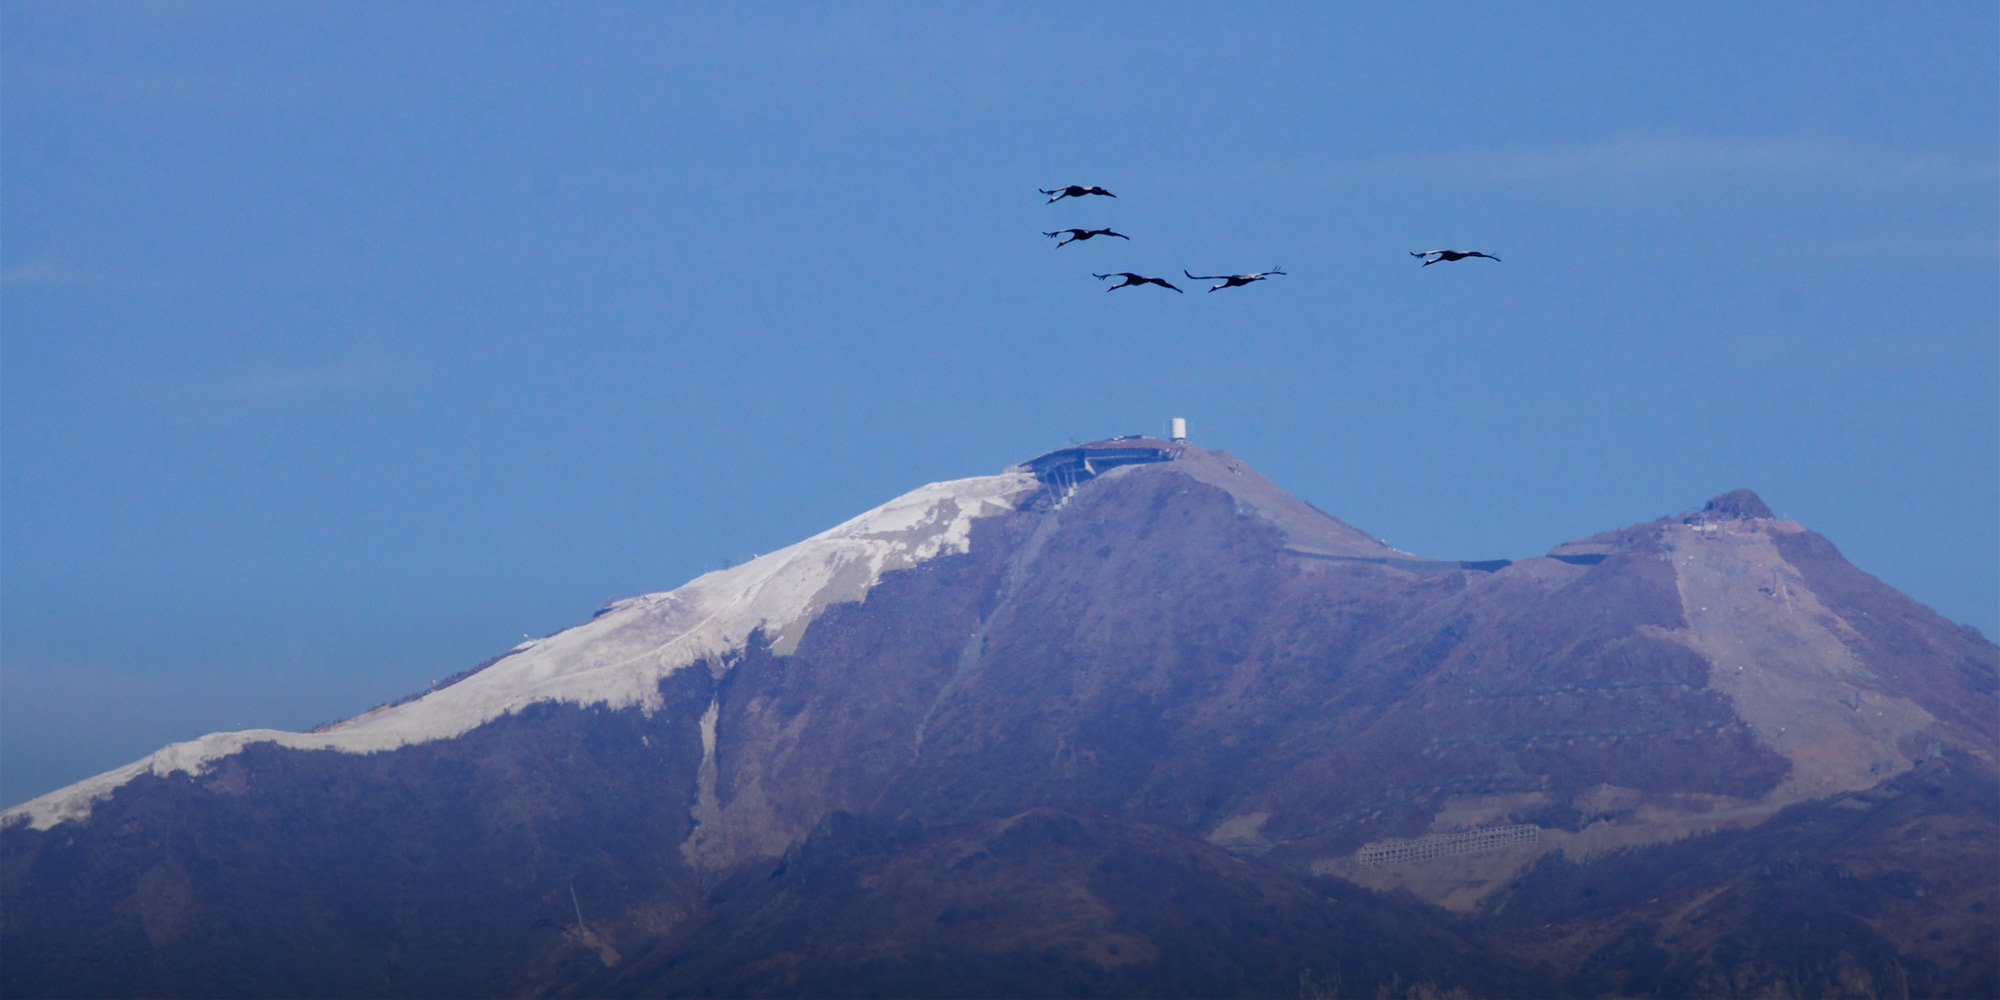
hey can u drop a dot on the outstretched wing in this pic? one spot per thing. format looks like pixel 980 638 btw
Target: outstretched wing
pixel 1107 232
pixel 1208 277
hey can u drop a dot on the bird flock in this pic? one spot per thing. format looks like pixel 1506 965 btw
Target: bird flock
pixel 1065 237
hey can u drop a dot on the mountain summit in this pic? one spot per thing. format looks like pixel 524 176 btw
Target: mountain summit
pixel 1124 719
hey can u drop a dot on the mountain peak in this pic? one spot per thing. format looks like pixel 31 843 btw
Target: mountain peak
pixel 1740 504
pixel 1306 528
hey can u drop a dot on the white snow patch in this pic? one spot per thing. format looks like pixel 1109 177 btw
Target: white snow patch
pixel 618 658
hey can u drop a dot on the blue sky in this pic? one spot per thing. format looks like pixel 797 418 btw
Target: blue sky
pixel 342 345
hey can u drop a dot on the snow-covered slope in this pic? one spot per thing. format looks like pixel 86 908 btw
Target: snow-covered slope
pixel 619 657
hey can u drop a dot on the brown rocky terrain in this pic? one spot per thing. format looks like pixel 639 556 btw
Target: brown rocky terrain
pixel 1159 730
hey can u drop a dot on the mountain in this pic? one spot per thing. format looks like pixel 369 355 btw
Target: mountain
pixel 1125 719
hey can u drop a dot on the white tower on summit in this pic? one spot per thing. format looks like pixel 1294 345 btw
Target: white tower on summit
pixel 1178 430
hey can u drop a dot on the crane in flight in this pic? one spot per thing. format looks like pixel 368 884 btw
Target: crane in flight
pixel 1233 280
pixel 1076 235
pixel 1434 256
pixel 1073 191
pixel 1134 279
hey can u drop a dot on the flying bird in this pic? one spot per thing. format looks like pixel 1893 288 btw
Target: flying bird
pixel 1233 280
pixel 1084 234
pixel 1074 191
pixel 1433 256
pixel 1134 279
